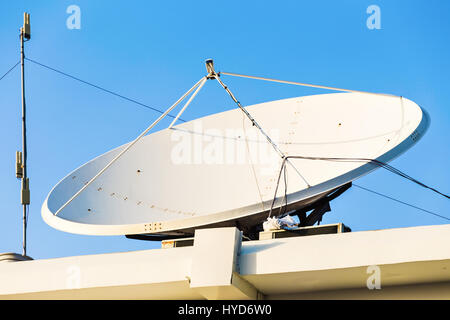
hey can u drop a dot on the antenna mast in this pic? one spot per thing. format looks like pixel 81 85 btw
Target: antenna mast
pixel 21 163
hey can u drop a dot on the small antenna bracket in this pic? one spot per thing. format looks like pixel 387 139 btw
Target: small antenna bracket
pixel 26 29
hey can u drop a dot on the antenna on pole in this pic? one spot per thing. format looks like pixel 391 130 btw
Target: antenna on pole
pixel 21 157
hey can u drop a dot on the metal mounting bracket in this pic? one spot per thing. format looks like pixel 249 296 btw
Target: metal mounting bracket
pixel 210 69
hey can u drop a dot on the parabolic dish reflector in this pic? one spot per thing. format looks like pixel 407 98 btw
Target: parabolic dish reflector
pixel 220 171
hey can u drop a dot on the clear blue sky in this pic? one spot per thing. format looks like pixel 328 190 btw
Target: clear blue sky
pixel 153 51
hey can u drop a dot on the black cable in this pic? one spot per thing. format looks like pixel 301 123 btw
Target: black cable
pixel 378 163
pixel 285 192
pixel 285 189
pixel 11 69
pixel 103 89
pixel 402 202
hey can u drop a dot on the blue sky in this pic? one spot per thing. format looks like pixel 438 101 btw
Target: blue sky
pixel 153 51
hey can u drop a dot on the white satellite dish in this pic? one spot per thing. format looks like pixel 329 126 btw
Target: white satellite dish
pixel 224 170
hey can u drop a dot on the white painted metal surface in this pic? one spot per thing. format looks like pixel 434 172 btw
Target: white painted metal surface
pixel 220 169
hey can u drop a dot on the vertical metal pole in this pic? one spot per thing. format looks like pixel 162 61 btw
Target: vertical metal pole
pixel 24 142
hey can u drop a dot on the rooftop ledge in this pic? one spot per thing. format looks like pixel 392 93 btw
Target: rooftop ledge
pixel 411 262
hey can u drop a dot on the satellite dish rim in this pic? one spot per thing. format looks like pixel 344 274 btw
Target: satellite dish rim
pixel 142 228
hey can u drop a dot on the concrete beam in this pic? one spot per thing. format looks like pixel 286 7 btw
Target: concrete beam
pixel 215 267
